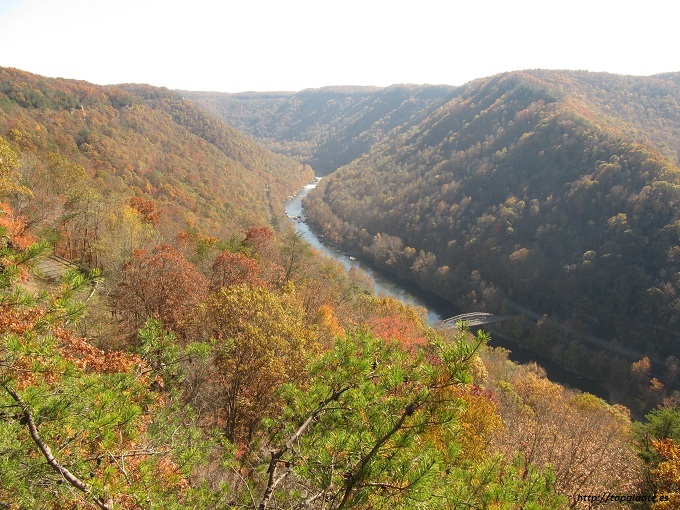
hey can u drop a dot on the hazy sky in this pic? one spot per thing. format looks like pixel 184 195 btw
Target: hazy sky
pixel 242 45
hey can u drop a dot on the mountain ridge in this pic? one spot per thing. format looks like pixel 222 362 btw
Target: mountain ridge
pixel 326 127
pixel 558 189
pixel 149 141
pixel 513 177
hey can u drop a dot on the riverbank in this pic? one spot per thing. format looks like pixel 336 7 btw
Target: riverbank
pixel 438 308
pixel 554 372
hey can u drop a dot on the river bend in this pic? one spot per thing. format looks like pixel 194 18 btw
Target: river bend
pixel 437 307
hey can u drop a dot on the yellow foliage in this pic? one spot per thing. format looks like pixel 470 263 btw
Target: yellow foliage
pixel 328 324
pixel 478 421
pixel 667 475
pixel 262 341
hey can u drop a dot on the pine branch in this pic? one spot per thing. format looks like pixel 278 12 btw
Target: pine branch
pixel 51 460
pixel 272 480
pixel 352 478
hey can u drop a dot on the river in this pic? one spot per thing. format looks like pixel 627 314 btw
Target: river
pixel 437 307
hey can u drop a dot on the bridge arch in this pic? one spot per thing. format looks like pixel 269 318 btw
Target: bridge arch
pixel 474 319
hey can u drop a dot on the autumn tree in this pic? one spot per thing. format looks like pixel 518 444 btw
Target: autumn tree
pixel 54 181
pixel 147 209
pixel 380 427
pixel 262 245
pixel 259 239
pixel 13 228
pixel 81 224
pixel 122 230
pixel 319 281
pixel 261 342
pixel 294 253
pixel 328 325
pixel 232 268
pixel 159 284
pixel 391 319
pixel 586 441
pixel 666 475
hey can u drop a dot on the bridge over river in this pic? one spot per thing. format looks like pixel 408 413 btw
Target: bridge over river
pixel 474 319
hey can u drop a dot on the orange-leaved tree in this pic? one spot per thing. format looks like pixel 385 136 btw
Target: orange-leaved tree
pixel 262 244
pixel 666 476
pixel 232 268
pixel 392 320
pixel 161 284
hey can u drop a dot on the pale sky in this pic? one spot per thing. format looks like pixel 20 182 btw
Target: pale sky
pixel 234 46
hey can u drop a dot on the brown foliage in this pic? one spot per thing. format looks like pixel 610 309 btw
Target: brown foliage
pixel 259 238
pixel 146 208
pixel 15 228
pixel 161 284
pixel 585 440
pixel 233 269
pixel 262 244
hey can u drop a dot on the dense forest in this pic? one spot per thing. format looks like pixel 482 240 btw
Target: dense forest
pixel 524 191
pixel 147 142
pixel 549 197
pixel 192 351
pixel 329 127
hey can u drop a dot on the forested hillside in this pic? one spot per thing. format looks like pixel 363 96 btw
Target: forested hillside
pixel 186 354
pixel 327 127
pixel 557 190
pixel 146 142
pixel 248 372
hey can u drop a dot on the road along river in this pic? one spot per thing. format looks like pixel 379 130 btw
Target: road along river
pixel 437 307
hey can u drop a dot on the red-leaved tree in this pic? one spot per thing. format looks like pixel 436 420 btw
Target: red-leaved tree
pixel 161 284
pixel 233 269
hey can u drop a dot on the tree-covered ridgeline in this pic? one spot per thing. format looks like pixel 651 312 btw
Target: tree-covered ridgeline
pixel 147 142
pixel 609 163
pixel 531 188
pixel 175 365
pixel 328 127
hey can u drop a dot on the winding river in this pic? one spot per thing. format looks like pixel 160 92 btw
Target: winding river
pixel 437 307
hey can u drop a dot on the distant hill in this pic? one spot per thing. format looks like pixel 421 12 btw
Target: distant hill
pixel 147 141
pixel 559 190
pixel 328 127
pixel 207 363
